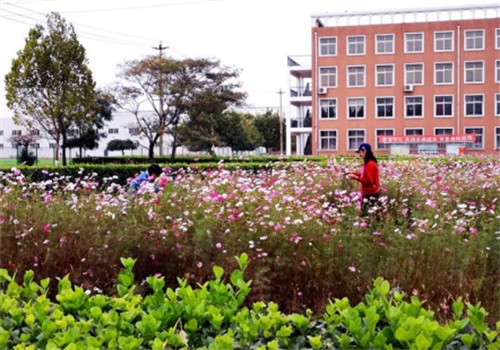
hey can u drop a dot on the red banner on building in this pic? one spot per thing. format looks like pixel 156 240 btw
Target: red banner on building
pixel 428 139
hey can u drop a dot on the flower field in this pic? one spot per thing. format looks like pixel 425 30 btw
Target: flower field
pixel 437 234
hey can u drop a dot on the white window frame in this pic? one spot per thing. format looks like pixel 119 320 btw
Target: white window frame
pixel 496 106
pixel 393 107
pixel 422 73
pixel 348 104
pixel 335 107
pixel 436 104
pixel 335 78
pixel 386 146
pixel 474 39
pixel 377 66
pixel 422 131
pixel 497 38
pixel 406 110
pixel 443 71
pixel 406 42
pixel 443 128
pixel 348 45
pixel 475 145
pixel 474 70
pixel 465 106
pixel 496 135
pixel 328 46
pixel 444 40
pixel 497 71
pixel 335 137
pixel 377 52
pixel 358 139
pixel 111 131
pixel 348 80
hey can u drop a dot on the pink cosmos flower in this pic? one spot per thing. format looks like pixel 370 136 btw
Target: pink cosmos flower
pixel 46 228
pixel 352 269
pixel 218 245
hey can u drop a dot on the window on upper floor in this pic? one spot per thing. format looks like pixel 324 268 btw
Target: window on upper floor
pixel 497 38
pixel 134 131
pixel 113 131
pixel 474 72
pixel 443 73
pixel 355 108
pixel 328 77
pixel 497 137
pixel 328 139
pixel 34 132
pixel 17 132
pixel 383 132
pixel 414 74
pixel 384 44
pixel 497 104
pixel 355 138
pixel 384 75
pixel 443 41
pixel 356 45
pixel 328 108
pixel 356 76
pixel 474 105
pixel 497 71
pixel 414 132
pixel 474 40
pixel 414 106
pixel 1 132
pixel 479 132
pixel 443 106
pixel 328 46
pixel 52 145
pixel 414 42
pixel 385 107
pixel 1 145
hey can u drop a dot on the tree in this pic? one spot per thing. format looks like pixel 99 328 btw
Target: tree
pixel 89 134
pixel 268 124
pixel 23 142
pixel 50 86
pixel 121 145
pixel 174 90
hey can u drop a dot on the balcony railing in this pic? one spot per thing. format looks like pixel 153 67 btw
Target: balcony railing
pixel 300 91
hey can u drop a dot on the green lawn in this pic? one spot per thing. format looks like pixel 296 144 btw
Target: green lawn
pixel 13 161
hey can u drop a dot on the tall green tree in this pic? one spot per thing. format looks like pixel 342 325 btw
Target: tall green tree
pixel 174 90
pixel 268 124
pixel 50 86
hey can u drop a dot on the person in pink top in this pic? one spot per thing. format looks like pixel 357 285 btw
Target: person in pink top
pixel 368 178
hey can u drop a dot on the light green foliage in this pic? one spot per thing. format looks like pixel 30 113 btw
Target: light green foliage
pixel 213 316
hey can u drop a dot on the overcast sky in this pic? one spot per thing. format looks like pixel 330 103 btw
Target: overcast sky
pixel 255 36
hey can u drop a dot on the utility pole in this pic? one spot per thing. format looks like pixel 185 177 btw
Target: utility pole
pixel 281 92
pixel 160 48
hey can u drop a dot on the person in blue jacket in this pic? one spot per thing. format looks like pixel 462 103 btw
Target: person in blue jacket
pixel 154 171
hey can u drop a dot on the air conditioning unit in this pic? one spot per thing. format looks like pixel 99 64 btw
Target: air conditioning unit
pixel 408 88
pixel 322 90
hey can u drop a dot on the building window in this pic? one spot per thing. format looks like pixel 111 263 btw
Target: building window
pixel 474 72
pixel 497 137
pixel 474 39
pixel 414 42
pixel 328 76
pixel 113 131
pixel 1 145
pixel 473 105
pixel 355 108
pixel 134 131
pixel 384 43
pixel 72 132
pixel 355 76
pixel 384 75
pixel 443 106
pixel 328 46
pixel 385 107
pixel 443 131
pixel 328 108
pixel 52 145
pixel 497 105
pixel 497 40
pixel 443 41
pixel 34 145
pixel 17 132
pixel 384 132
pixel 356 45
pixel 354 139
pixel 328 139
pixel 414 132
pixel 414 106
pixel 1 132
pixel 443 73
pixel 497 71
pixel 35 132
pixel 479 137
pixel 414 74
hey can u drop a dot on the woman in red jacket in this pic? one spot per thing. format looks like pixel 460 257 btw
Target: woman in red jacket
pixel 368 178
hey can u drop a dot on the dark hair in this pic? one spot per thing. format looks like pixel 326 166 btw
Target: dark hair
pixel 370 156
pixel 155 169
